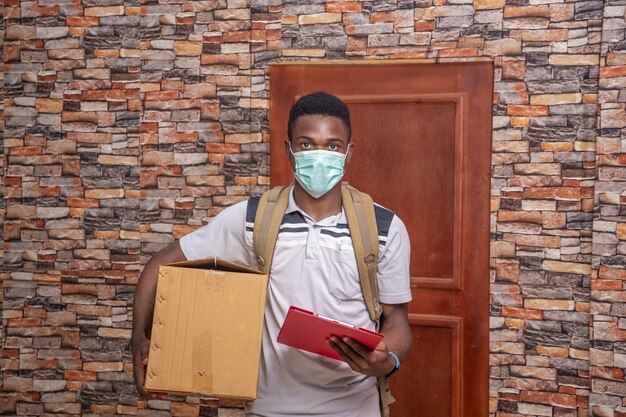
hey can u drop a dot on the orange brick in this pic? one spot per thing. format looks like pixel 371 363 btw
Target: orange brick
pixel 49 105
pixel 83 21
pixel 610 72
pixel 522 313
pixel 559 193
pixel 180 230
pixel 525 110
pixel 25 151
pixel 180 409
pixel 239 36
pixel 104 95
pixel 344 6
pixel 24 322
pixel 447 53
pixel 83 202
pixel 538 11
pixel 606 285
pixel 71 375
pixel 223 147
pixel 557 146
pixel 561 400
pixel 553 351
pixel 424 25
pixel 162 95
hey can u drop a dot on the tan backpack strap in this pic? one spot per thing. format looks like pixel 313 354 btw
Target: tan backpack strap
pixel 361 216
pixel 385 397
pixel 267 221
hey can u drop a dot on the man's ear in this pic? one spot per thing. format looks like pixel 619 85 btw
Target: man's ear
pixel 288 151
pixel 350 151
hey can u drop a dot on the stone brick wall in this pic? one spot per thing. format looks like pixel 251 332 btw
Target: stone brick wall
pixel 128 124
pixel 608 308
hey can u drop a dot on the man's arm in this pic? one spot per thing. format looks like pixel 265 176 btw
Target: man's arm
pixel 377 362
pixel 143 306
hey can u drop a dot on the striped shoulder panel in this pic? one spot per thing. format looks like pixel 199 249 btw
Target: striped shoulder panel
pixel 383 221
pixel 253 205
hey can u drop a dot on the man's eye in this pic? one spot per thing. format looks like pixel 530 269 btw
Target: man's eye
pixel 333 147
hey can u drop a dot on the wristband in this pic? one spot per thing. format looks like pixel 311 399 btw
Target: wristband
pixel 396 366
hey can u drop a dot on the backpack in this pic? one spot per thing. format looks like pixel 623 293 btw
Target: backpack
pixel 359 209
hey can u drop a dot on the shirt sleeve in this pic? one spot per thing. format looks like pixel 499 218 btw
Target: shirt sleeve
pixel 223 237
pixel 393 266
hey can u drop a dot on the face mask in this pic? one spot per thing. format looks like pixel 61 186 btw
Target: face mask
pixel 319 171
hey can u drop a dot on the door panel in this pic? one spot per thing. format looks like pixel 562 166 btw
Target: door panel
pixel 419 153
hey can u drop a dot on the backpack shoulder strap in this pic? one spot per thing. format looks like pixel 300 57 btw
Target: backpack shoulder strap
pixel 267 221
pixel 359 208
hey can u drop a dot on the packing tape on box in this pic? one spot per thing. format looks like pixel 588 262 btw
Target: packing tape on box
pixel 202 380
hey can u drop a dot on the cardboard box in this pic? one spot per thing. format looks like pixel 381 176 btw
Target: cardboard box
pixel 207 330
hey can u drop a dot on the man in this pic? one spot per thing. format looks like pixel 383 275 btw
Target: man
pixel 313 267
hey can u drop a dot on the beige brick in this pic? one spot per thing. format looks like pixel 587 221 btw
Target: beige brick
pixel 242 138
pixel 489 4
pixel 105 193
pixel 319 18
pixel 102 366
pixel 304 52
pixel 552 351
pixel 104 11
pixel 557 59
pixel 569 267
pixel 117 160
pixel 232 14
pixel 553 99
pixel 49 105
pixel 157 158
pixel 114 333
pixel 539 304
pixel 187 48
pixel 501 47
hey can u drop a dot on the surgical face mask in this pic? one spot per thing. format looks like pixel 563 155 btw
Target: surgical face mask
pixel 318 171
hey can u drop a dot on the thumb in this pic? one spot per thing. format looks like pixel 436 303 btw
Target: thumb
pixel 145 361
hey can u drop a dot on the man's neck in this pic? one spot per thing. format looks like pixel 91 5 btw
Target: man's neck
pixel 318 208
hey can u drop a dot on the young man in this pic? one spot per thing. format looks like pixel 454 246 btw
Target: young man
pixel 313 267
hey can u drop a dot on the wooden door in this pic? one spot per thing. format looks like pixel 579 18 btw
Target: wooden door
pixel 423 147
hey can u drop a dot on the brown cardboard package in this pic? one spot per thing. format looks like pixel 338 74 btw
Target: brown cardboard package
pixel 206 330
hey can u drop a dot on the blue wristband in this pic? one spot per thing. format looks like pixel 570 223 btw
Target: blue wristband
pixel 396 366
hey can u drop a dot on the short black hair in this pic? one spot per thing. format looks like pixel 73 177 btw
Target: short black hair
pixel 319 103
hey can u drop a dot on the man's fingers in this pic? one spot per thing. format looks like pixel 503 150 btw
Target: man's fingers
pixel 354 356
pixel 359 348
pixel 139 373
pixel 333 344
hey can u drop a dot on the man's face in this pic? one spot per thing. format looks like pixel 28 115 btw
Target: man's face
pixel 315 132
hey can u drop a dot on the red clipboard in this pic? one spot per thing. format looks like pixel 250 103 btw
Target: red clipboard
pixel 308 331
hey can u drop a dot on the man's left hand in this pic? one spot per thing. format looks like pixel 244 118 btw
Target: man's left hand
pixel 361 359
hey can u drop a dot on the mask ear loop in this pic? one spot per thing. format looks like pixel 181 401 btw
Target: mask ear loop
pixel 293 166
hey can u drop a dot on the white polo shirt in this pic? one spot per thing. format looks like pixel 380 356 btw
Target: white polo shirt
pixel 314 268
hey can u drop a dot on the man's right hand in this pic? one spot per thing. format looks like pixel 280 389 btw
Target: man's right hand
pixel 143 306
pixel 140 345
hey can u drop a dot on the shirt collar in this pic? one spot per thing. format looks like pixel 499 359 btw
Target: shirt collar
pixel 328 221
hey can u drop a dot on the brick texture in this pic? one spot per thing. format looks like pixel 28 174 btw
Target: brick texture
pixel 608 344
pixel 128 124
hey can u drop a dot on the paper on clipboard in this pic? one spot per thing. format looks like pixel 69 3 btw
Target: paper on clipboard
pixel 308 331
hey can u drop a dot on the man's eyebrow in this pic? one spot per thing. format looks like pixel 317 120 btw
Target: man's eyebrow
pixel 334 139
